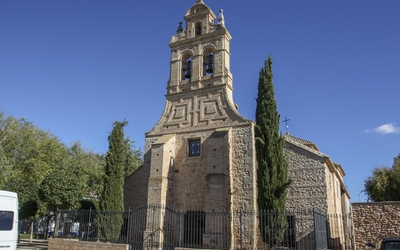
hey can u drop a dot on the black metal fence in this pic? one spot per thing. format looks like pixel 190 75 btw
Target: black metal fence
pixel 157 226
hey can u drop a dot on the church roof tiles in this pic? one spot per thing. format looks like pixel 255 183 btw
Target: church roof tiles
pixel 301 141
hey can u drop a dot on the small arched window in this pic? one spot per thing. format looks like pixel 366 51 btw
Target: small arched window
pixel 198 29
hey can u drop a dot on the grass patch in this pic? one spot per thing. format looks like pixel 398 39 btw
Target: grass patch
pixel 25 236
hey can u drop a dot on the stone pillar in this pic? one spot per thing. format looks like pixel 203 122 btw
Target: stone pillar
pixel 162 153
pixel 217 231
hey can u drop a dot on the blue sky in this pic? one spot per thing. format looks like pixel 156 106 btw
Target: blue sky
pixel 74 67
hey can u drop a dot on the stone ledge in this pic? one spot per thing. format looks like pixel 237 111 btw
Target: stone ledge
pixel 67 244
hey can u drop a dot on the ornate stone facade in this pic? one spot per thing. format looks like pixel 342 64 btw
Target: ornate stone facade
pixel 200 156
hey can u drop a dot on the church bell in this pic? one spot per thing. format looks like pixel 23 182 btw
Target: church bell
pixel 209 64
pixel 187 69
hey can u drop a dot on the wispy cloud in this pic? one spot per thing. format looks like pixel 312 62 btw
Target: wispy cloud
pixel 384 129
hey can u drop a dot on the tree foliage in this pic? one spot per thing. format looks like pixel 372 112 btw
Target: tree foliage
pixel 133 158
pixel 49 175
pixel 44 172
pixel 75 181
pixel 112 198
pixel 89 166
pixel 62 189
pixel 384 184
pixel 272 177
pixel 28 154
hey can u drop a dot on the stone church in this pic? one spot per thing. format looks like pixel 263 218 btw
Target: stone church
pixel 200 156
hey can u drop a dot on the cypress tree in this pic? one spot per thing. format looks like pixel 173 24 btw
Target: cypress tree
pixel 112 198
pixel 272 178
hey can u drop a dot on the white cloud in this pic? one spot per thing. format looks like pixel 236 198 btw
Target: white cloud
pixel 389 128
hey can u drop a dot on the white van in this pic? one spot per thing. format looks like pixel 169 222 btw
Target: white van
pixel 8 220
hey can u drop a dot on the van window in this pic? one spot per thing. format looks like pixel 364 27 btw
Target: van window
pixel 6 220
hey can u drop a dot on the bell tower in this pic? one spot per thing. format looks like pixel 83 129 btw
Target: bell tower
pixel 199 90
pixel 200 52
pixel 200 130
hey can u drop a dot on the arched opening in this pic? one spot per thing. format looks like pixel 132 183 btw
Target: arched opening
pixel 208 60
pixel 186 67
pixel 198 29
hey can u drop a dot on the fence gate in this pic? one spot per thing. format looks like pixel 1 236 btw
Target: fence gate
pixel 320 230
pixel 194 228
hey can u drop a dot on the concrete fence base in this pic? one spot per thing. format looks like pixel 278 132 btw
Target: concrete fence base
pixel 71 244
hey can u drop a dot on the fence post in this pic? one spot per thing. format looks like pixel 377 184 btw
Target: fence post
pixel 128 225
pixel 181 227
pixel 89 224
pixel 240 224
pixel 315 230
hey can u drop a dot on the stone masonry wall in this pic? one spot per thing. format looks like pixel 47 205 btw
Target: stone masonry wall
pixel 374 221
pixel 244 192
pixel 136 185
pixel 135 188
pixel 331 192
pixel 307 171
pixel 243 172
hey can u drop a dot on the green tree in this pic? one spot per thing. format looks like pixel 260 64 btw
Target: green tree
pixel 384 184
pixel 112 198
pixel 28 153
pixel 62 188
pixel 133 158
pixel 90 167
pixel 44 172
pixel 5 160
pixel 272 177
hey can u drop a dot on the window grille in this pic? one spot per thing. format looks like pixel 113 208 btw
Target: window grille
pixel 194 148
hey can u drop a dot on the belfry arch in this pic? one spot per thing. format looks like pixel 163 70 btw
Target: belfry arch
pixel 186 66
pixel 208 61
